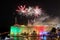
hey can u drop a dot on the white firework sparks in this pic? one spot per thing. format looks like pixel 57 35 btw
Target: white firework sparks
pixel 30 10
pixel 37 10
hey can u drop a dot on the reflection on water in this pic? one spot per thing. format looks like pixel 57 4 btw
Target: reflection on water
pixel 30 38
pixel 44 38
pixel 15 38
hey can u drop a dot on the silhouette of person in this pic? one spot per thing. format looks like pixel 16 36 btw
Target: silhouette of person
pixel 25 35
pixel 53 34
pixel 33 35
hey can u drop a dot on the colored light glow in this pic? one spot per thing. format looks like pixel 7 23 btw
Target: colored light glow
pixel 43 37
pixel 22 26
pixel 39 28
pixel 15 38
pixel 16 30
pixel 12 33
pixel 45 33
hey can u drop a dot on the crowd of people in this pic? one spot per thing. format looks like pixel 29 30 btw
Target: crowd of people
pixel 54 34
pixel 33 35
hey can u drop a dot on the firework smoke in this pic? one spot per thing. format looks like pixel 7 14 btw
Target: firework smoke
pixel 36 15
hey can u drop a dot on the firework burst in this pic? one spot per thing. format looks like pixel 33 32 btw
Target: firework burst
pixel 32 13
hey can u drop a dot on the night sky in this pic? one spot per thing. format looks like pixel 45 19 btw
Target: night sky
pixel 8 7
